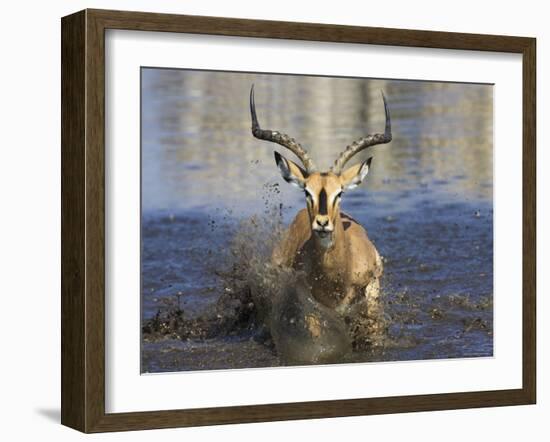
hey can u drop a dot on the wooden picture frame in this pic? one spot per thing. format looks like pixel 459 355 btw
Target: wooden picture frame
pixel 83 220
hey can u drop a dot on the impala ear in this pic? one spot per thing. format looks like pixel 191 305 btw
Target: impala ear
pixel 290 171
pixel 354 175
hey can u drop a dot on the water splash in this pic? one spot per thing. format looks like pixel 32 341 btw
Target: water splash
pixel 303 329
pixel 273 303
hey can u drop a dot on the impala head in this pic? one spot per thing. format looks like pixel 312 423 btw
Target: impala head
pixel 323 190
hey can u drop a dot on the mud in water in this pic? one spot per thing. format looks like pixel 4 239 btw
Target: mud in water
pixel 433 304
pixel 210 218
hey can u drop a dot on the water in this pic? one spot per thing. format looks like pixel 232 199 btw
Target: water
pixel 426 204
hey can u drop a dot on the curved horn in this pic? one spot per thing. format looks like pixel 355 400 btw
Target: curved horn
pixel 362 143
pixel 278 137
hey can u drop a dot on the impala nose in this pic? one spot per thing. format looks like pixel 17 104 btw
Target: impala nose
pixel 322 224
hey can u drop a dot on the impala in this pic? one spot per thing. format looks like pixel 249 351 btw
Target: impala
pixel 341 264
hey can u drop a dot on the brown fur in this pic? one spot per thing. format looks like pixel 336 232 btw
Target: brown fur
pixel 330 247
pixel 336 275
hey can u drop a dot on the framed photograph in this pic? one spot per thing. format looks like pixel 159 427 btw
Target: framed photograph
pixel 268 220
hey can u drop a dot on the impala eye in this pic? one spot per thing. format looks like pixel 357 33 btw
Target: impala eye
pixel 308 195
pixel 339 195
